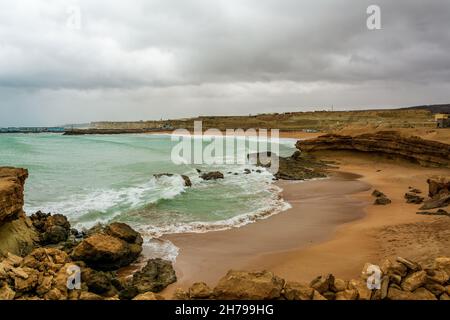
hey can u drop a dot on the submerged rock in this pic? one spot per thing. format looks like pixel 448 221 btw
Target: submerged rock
pixel 214 175
pixel 187 181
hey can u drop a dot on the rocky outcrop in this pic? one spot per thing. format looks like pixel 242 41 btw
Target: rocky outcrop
pixel 390 143
pixel 186 179
pixel 439 193
pixel 380 198
pixel 53 228
pixel 400 279
pixel 239 285
pixel 105 252
pixel 12 183
pixel 17 234
pixel 214 175
pixel 155 276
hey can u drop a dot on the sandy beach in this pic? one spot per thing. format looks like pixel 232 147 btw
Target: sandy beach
pixel 332 227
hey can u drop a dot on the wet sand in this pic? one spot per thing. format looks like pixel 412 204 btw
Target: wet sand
pixel 318 207
pixel 332 227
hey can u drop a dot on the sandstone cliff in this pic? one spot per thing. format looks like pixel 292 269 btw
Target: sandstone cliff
pixel 390 143
pixel 16 232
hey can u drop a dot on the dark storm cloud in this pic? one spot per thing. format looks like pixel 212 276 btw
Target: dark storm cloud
pixel 201 54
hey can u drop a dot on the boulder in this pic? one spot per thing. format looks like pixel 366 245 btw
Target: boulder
pixel 364 293
pixel 187 181
pixel 214 175
pixel 445 297
pixel 413 198
pixel 350 294
pixel 322 284
pixel 382 201
pixel 411 265
pixel 53 228
pixel 124 232
pixel 393 268
pixel 297 291
pixel 442 263
pixel 27 281
pixel 377 193
pixel 98 282
pixel 437 276
pixel 46 260
pixel 339 285
pixel 128 293
pixel 89 296
pixel 180 294
pixel 436 202
pixel 148 296
pixel 105 252
pixel 414 281
pixel 154 276
pixel 396 294
pixel 241 285
pixel 6 293
pixel 423 294
pixel 200 290
pixel 438 185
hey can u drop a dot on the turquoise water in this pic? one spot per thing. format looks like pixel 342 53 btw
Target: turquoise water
pixel 106 178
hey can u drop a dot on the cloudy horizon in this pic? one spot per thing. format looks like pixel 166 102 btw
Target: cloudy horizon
pixel 156 59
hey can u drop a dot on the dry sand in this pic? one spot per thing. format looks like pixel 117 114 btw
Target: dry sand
pixel 332 227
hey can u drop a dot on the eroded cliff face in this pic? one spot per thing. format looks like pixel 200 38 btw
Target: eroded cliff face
pixel 17 234
pixel 12 182
pixel 390 143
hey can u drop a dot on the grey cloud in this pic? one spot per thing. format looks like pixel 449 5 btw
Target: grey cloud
pixel 135 50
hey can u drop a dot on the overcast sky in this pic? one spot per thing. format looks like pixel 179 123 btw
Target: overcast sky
pixel 133 60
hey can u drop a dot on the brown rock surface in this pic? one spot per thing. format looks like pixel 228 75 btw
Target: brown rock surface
pixel 391 143
pixel 238 285
pixel 12 182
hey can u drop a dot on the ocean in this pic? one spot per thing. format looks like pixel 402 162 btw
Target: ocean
pixel 104 178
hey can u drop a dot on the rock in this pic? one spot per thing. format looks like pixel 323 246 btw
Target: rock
pixel 187 181
pixel 339 285
pixel 440 212
pixel 414 281
pixel 414 190
pixel 438 185
pixel 247 171
pixel 29 282
pixel 12 182
pixel 445 297
pixel 98 282
pixel 435 288
pixel 241 285
pixel 214 175
pixel 44 285
pixel 382 201
pixel 13 260
pixel 384 287
pixel 124 232
pixel 376 193
pixel 89 296
pixel 200 290
pixel 393 268
pixel 322 284
pixel 442 263
pixel 329 295
pixel 409 264
pixel 298 167
pixel 437 202
pixel 105 252
pixel 155 276
pixel 413 198
pixel 297 291
pixel 128 293
pixel 6 293
pixel 180 294
pixel 396 294
pixel 437 276
pixel 148 296
pixel 318 296
pixel 423 294
pixel 347 295
pixel 53 228
pixel 54 294
pixel 364 293
pixel 387 143
pixel 46 259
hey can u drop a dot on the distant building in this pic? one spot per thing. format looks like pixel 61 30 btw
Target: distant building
pixel 442 120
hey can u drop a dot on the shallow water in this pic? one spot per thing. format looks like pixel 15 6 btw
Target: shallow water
pixel 110 178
